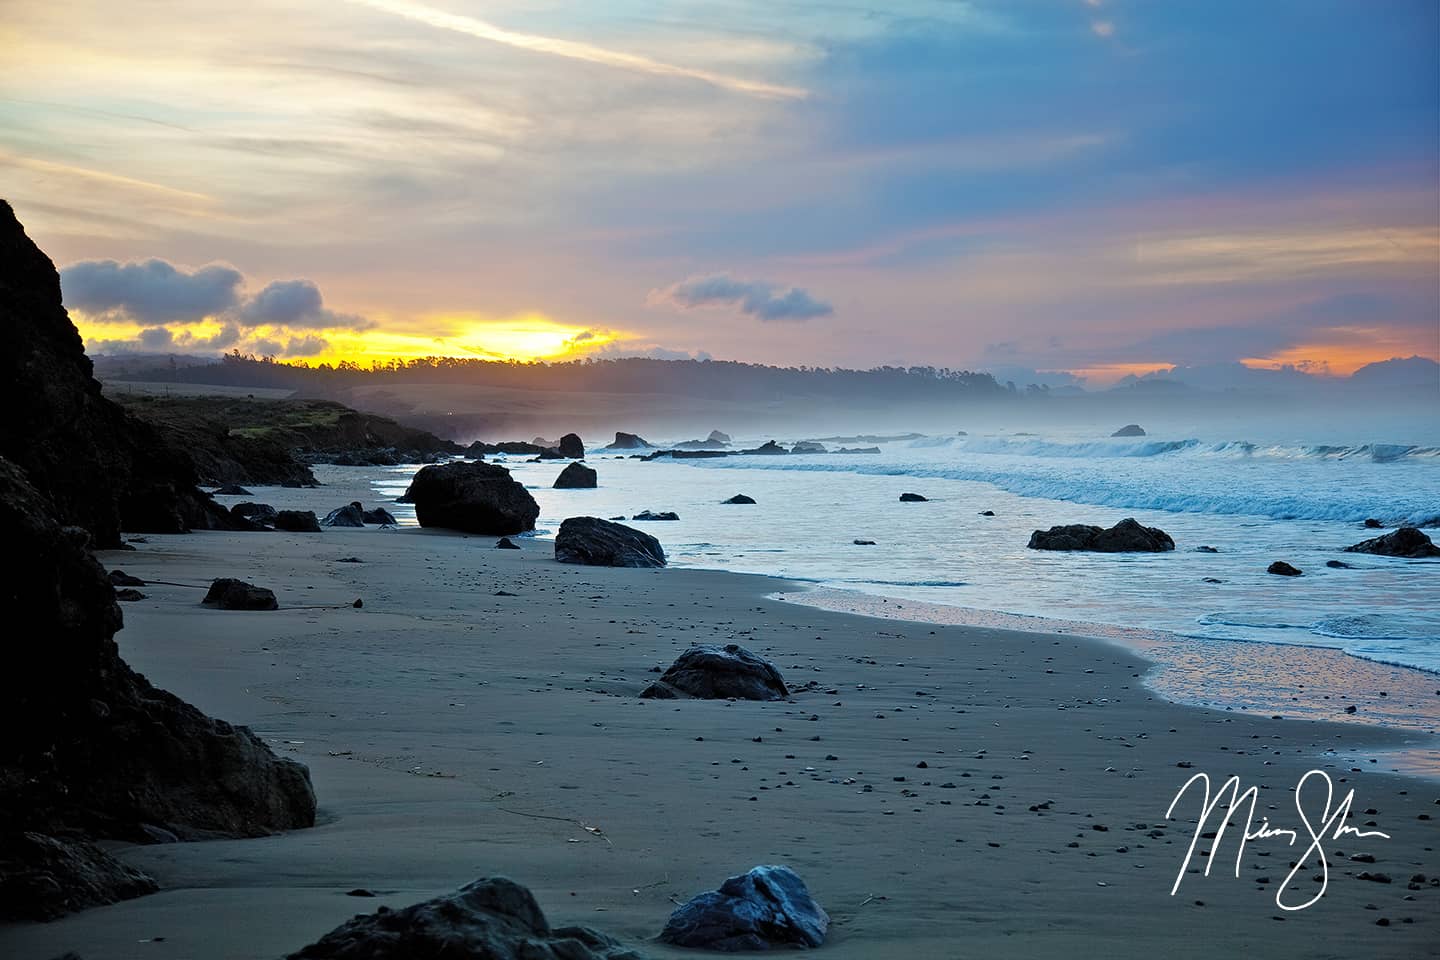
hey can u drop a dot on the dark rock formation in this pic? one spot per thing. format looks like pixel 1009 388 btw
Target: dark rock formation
pixel 711 672
pixel 505 543
pixel 254 512
pixel 1282 569
pixel 1404 542
pixel 858 450
pixel 576 476
pixel 808 446
pixel 296 521
pixel 1372 524
pixel 514 448
pixel 100 469
pixel 764 909
pixel 572 446
pixel 769 449
pixel 380 516
pixel 1129 430
pixel 654 515
pixel 490 919
pixel 119 578
pixel 1338 565
pixel 350 515
pixel 90 746
pixel 1127 536
pixel 987 513
pixel 628 441
pixel 42 878
pixel 1206 549
pixel 864 543
pixel 550 453
pixel 231 490
pixel 601 543
pixel 129 595
pixel 739 498
pixel 913 498
pixel 473 497
pixel 717 437
pixel 228 593
pixel 709 445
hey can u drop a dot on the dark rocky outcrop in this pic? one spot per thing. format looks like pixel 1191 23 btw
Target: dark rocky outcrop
pixel 505 543
pixel 228 593
pixel 767 449
pixel 717 437
pixel 100 468
pixel 858 450
pixel 1404 542
pixel 1203 548
pixel 91 749
pixel 350 515
pixel 490 919
pixel 739 498
pixel 1129 430
pixel 1282 569
pixel 601 543
pixel 129 595
pixel 987 513
pixel 656 515
pixel 231 490
pixel 472 497
pixel 808 446
pixel 572 446
pixel 1338 565
pixel 628 441
pixel 255 512
pixel 380 516
pixel 765 909
pixel 43 878
pixel 913 498
pixel 863 543
pixel 1372 524
pixel 296 521
pixel 119 578
pixel 576 476
pixel 711 672
pixel 1127 536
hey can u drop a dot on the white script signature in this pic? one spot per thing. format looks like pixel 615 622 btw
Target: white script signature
pixel 1330 825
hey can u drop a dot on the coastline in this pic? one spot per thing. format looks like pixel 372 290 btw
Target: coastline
pixel 453 733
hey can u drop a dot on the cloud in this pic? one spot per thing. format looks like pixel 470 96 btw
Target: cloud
pixel 295 303
pixel 151 292
pixel 156 338
pixel 756 298
pixel 306 346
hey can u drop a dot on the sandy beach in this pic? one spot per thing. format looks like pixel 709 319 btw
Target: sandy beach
pixel 945 791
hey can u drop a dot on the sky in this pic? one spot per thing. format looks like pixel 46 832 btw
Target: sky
pixel 1091 188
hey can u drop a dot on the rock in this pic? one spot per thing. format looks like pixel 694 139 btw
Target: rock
pixel 380 516
pixel 913 498
pixel 490 919
pixel 43 878
pixel 1282 569
pixel 231 490
pixel 1211 580
pixel 91 749
pixel 710 672
pixel 1372 524
pixel 858 450
pixel 808 446
pixel 766 908
pixel 768 448
pixel 551 453
pixel 505 543
pixel 1404 542
pixel 601 543
pixel 1205 549
pixel 129 595
pixel 1129 430
pixel 1338 565
pixel 864 543
pixel 120 578
pixel 296 521
pixel 1127 536
pixel 473 497
pixel 576 476
pixel 254 512
pixel 987 513
pixel 653 515
pixel 717 437
pixel 228 593
pixel 350 515
pixel 628 441
pixel 517 448
pixel 572 446
pixel 739 498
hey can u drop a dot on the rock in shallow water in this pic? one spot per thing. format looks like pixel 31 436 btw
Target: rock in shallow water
pixel 1282 569
pixel 913 498
pixel 739 498
pixel 490 919
pixel 1127 536
pixel 711 672
pixel 473 497
pixel 767 907
pixel 576 476
pixel 601 543
pixel 1405 542
pixel 656 515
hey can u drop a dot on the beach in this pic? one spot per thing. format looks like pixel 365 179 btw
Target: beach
pixel 944 791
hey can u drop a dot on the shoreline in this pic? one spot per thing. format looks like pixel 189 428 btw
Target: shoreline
pixel 954 795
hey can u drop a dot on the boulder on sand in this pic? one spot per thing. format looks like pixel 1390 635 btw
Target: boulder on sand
pixel 231 490
pixel 1127 536
pixel 601 543
pixel 576 476
pixel 254 512
pixel 1282 569
pixel 505 543
pixel 228 593
pixel 120 578
pixel 1129 430
pixel 46 877
pixel 656 515
pixel 492 918
pixel 572 446
pixel 350 515
pixel 913 498
pixel 628 441
pixel 710 672
pixel 1405 542
pixel 764 909
pixel 380 516
pixel 739 498
pixel 296 521
pixel 475 497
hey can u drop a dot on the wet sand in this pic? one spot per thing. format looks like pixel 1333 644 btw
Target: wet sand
pixel 945 791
